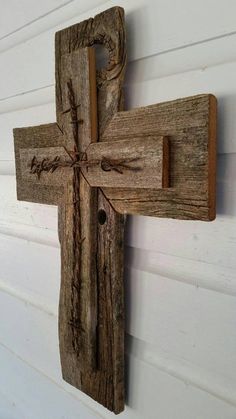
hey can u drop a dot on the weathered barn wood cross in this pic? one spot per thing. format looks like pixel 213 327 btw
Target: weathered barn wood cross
pixel 97 164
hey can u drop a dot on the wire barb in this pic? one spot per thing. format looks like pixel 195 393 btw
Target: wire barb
pixel 79 160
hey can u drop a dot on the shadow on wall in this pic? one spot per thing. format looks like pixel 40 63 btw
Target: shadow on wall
pixel 226 162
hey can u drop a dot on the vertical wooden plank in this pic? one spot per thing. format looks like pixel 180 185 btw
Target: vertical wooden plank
pixel 78 298
pixel 105 383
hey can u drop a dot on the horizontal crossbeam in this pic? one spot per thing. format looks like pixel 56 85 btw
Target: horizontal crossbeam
pixel 136 163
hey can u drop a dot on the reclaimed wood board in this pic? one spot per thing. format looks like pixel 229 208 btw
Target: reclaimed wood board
pixel 105 382
pixel 98 163
pixel 132 163
pixel 91 312
pixel 30 138
pixel 136 163
pixel 190 125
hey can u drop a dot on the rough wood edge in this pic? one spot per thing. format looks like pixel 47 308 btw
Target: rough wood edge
pixel 181 203
pixel 212 154
pixel 107 28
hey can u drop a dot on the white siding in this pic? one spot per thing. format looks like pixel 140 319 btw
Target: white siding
pixel 180 276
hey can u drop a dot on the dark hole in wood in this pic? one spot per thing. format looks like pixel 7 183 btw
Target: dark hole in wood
pixel 105 166
pixel 102 56
pixel 102 216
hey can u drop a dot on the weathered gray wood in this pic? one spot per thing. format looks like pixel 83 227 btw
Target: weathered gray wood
pixel 140 163
pixel 59 177
pixel 91 312
pixel 86 361
pixel 107 29
pixel 69 189
pixel 190 125
pixel 29 189
pixel 105 383
pixel 136 163
pixel 78 235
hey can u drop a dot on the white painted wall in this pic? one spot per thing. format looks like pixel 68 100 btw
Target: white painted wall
pixel 180 276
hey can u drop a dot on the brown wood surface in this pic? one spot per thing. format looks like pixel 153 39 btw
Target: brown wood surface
pixel 135 163
pixel 56 178
pixel 28 187
pixel 78 226
pixel 105 382
pixel 76 129
pixel 190 125
pixel 143 163
pixel 91 298
pixel 91 224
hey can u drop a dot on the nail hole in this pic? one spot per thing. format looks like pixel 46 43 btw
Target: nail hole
pixel 102 217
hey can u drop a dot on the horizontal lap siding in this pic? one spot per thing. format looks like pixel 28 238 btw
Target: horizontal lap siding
pixel 13 18
pixel 153 377
pixel 138 93
pixel 164 43
pixel 180 277
pixel 33 393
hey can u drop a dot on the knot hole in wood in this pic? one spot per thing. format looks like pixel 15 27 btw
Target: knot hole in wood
pixel 102 216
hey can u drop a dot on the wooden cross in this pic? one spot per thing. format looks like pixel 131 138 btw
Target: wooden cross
pixel 97 164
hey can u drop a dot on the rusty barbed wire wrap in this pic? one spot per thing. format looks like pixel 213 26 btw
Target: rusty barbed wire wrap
pixel 80 160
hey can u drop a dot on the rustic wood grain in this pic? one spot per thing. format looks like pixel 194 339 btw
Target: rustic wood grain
pixel 57 178
pixel 190 125
pixel 42 136
pixel 76 200
pixel 105 383
pixel 86 361
pixel 133 163
pixel 107 29
pixel 78 235
pixel 174 142
pixel 128 163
